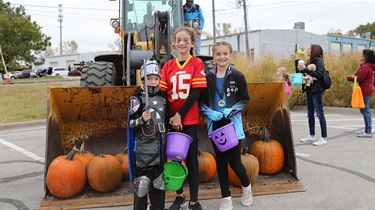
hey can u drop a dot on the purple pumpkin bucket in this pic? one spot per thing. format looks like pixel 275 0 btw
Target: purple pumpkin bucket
pixel 225 137
pixel 177 145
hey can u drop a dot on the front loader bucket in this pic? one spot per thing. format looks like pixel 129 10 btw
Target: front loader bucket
pixel 98 117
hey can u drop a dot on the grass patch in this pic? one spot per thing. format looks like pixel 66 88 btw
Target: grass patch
pixel 24 102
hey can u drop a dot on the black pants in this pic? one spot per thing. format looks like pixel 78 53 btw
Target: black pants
pixel 233 157
pixel 157 197
pixel 192 162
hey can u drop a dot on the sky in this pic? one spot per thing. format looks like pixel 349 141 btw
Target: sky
pixel 87 22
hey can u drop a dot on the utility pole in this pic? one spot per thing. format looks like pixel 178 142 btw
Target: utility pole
pixel 246 30
pixel 2 58
pixel 214 21
pixel 60 20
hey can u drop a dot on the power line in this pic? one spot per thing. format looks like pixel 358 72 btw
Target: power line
pixel 55 7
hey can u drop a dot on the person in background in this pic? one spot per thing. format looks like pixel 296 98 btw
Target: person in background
pixel 314 94
pixel 226 95
pixel 182 80
pixel 280 70
pixel 302 52
pixel 194 11
pixel 147 120
pixel 285 77
pixel 365 78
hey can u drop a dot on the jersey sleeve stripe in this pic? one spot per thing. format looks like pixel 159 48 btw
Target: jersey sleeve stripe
pixel 202 79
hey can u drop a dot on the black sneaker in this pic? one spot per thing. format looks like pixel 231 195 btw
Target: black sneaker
pixel 196 206
pixel 178 203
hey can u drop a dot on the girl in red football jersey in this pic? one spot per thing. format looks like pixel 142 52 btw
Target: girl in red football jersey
pixel 182 79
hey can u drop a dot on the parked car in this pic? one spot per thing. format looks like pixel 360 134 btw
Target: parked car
pixel 33 73
pixel 17 73
pixel 60 71
pixel 25 73
pixel 12 76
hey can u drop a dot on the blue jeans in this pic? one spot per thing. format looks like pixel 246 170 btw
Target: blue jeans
pixel 367 114
pixel 314 102
pixel 197 47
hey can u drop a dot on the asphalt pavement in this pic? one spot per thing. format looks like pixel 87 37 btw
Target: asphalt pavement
pixel 339 175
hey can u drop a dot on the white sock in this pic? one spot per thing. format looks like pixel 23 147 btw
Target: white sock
pixel 248 187
pixel 229 198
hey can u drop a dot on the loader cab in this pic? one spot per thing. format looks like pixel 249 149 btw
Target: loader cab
pixel 139 15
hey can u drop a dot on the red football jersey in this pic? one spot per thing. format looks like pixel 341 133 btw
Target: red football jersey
pixel 177 81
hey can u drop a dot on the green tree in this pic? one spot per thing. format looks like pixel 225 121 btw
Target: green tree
pixel 335 32
pixel 115 46
pixel 362 29
pixel 222 29
pixel 70 47
pixel 21 39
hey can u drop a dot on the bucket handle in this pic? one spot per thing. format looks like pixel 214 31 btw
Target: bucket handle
pixel 183 168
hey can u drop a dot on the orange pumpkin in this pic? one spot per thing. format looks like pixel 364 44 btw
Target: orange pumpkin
pixel 269 152
pixel 123 158
pixel 251 165
pixel 66 176
pixel 83 155
pixel 207 166
pixel 104 173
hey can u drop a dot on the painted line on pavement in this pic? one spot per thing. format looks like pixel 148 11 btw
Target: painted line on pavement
pixel 352 127
pixel 302 155
pixel 23 151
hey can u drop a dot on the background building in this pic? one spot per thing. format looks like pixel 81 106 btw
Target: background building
pixel 69 60
pixel 282 43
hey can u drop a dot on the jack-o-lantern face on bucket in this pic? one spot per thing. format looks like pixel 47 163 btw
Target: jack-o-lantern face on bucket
pixel 222 139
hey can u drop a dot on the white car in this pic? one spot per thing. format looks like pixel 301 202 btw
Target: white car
pixel 60 71
pixel 12 76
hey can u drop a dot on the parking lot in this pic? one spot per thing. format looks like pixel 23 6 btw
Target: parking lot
pixel 340 175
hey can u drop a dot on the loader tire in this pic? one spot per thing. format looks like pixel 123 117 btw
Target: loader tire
pixel 98 74
pixel 210 64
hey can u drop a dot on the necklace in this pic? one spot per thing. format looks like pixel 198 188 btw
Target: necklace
pixel 221 102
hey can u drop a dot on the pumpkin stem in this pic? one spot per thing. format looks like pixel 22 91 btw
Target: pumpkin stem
pixel 199 152
pixel 75 149
pixel 71 154
pixel 266 137
pixel 244 150
pixel 125 151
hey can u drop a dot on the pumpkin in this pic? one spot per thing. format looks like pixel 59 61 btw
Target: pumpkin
pixel 83 155
pixel 123 159
pixel 66 176
pixel 251 165
pixel 207 166
pixel 104 173
pixel 269 152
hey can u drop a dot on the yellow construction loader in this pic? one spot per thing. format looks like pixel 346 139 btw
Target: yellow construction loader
pixel 96 112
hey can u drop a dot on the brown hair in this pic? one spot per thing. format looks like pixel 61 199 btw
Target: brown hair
pixel 188 31
pixel 222 43
pixel 315 52
pixel 287 78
